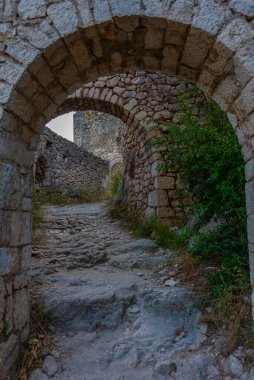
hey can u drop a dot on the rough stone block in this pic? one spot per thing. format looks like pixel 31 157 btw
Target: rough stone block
pixel 8 355
pixel 175 33
pixel 251 263
pixel 236 34
pixel 226 92
pixel 165 212
pixel 21 308
pixel 10 194
pixel 2 304
pixel 170 58
pixel 181 11
pixel 128 24
pixel 243 63
pixel 150 212
pixel 157 198
pixel 210 16
pixel 244 104
pixel 9 261
pixel 22 50
pixel 124 8
pixel 195 53
pixel 64 17
pixel 85 12
pixel 21 281
pixel 249 170
pixel 250 226
pixel 79 52
pixel 10 72
pixel 154 38
pixel 151 62
pixel 15 228
pixel 165 183
pixel 249 194
pixel 29 9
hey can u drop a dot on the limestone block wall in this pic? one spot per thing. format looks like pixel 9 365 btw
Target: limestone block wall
pixel 98 133
pixel 146 100
pixel 60 165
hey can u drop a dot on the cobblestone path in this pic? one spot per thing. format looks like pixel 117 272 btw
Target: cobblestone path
pixel 114 310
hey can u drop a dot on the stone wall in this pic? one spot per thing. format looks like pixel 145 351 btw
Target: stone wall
pixel 98 133
pixel 146 99
pixel 49 49
pixel 60 165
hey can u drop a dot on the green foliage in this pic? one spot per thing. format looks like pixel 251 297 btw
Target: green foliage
pixel 6 328
pixel 36 211
pixel 126 214
pixel 229 250
pixel 174 239
pixel 61 198
pixel 85 196
pixel 206 152
pixel 115 182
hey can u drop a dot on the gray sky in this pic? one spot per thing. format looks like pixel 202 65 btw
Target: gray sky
pixel 63 125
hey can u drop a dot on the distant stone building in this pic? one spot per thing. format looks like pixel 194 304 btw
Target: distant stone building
pixel 99 133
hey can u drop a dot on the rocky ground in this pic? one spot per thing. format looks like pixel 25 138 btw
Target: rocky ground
pixel 115 311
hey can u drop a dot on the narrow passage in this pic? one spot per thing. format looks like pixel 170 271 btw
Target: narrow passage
pixel 115 313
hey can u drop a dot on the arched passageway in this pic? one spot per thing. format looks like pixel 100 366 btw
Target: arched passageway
pixel 50 50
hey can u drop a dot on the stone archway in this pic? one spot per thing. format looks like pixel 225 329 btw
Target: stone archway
pixel 49 51
pixel 139 99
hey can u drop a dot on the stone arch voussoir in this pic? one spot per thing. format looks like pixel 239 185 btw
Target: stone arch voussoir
pixel 50 51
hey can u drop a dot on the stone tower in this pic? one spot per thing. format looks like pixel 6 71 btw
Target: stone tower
pixel 98 133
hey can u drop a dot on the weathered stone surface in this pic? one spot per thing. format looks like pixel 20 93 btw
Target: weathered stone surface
pixel 37 374
pixel 8 355
pixel 64 17
pixel 166 183
pixel 98 133
pixel 2 303
pixel 111 310
pixel 21 309
pixel 157 198
pixel 9 261
pixel 61 166
pixel 50 365
pixel 245 7
pixel 249 170
pixel 29 9
pixel 15 228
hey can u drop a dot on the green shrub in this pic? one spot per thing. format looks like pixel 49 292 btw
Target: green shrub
pixel 115 182
pixel 205 151
pixel 174 239
pixel 86 196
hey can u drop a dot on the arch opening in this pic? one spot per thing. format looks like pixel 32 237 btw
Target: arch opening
pixel 67 44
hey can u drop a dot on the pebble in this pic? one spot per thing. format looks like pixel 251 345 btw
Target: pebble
pixel 170 283
pixel 134 309
pixel 50 365
pixel 236 366
pixel 37 374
